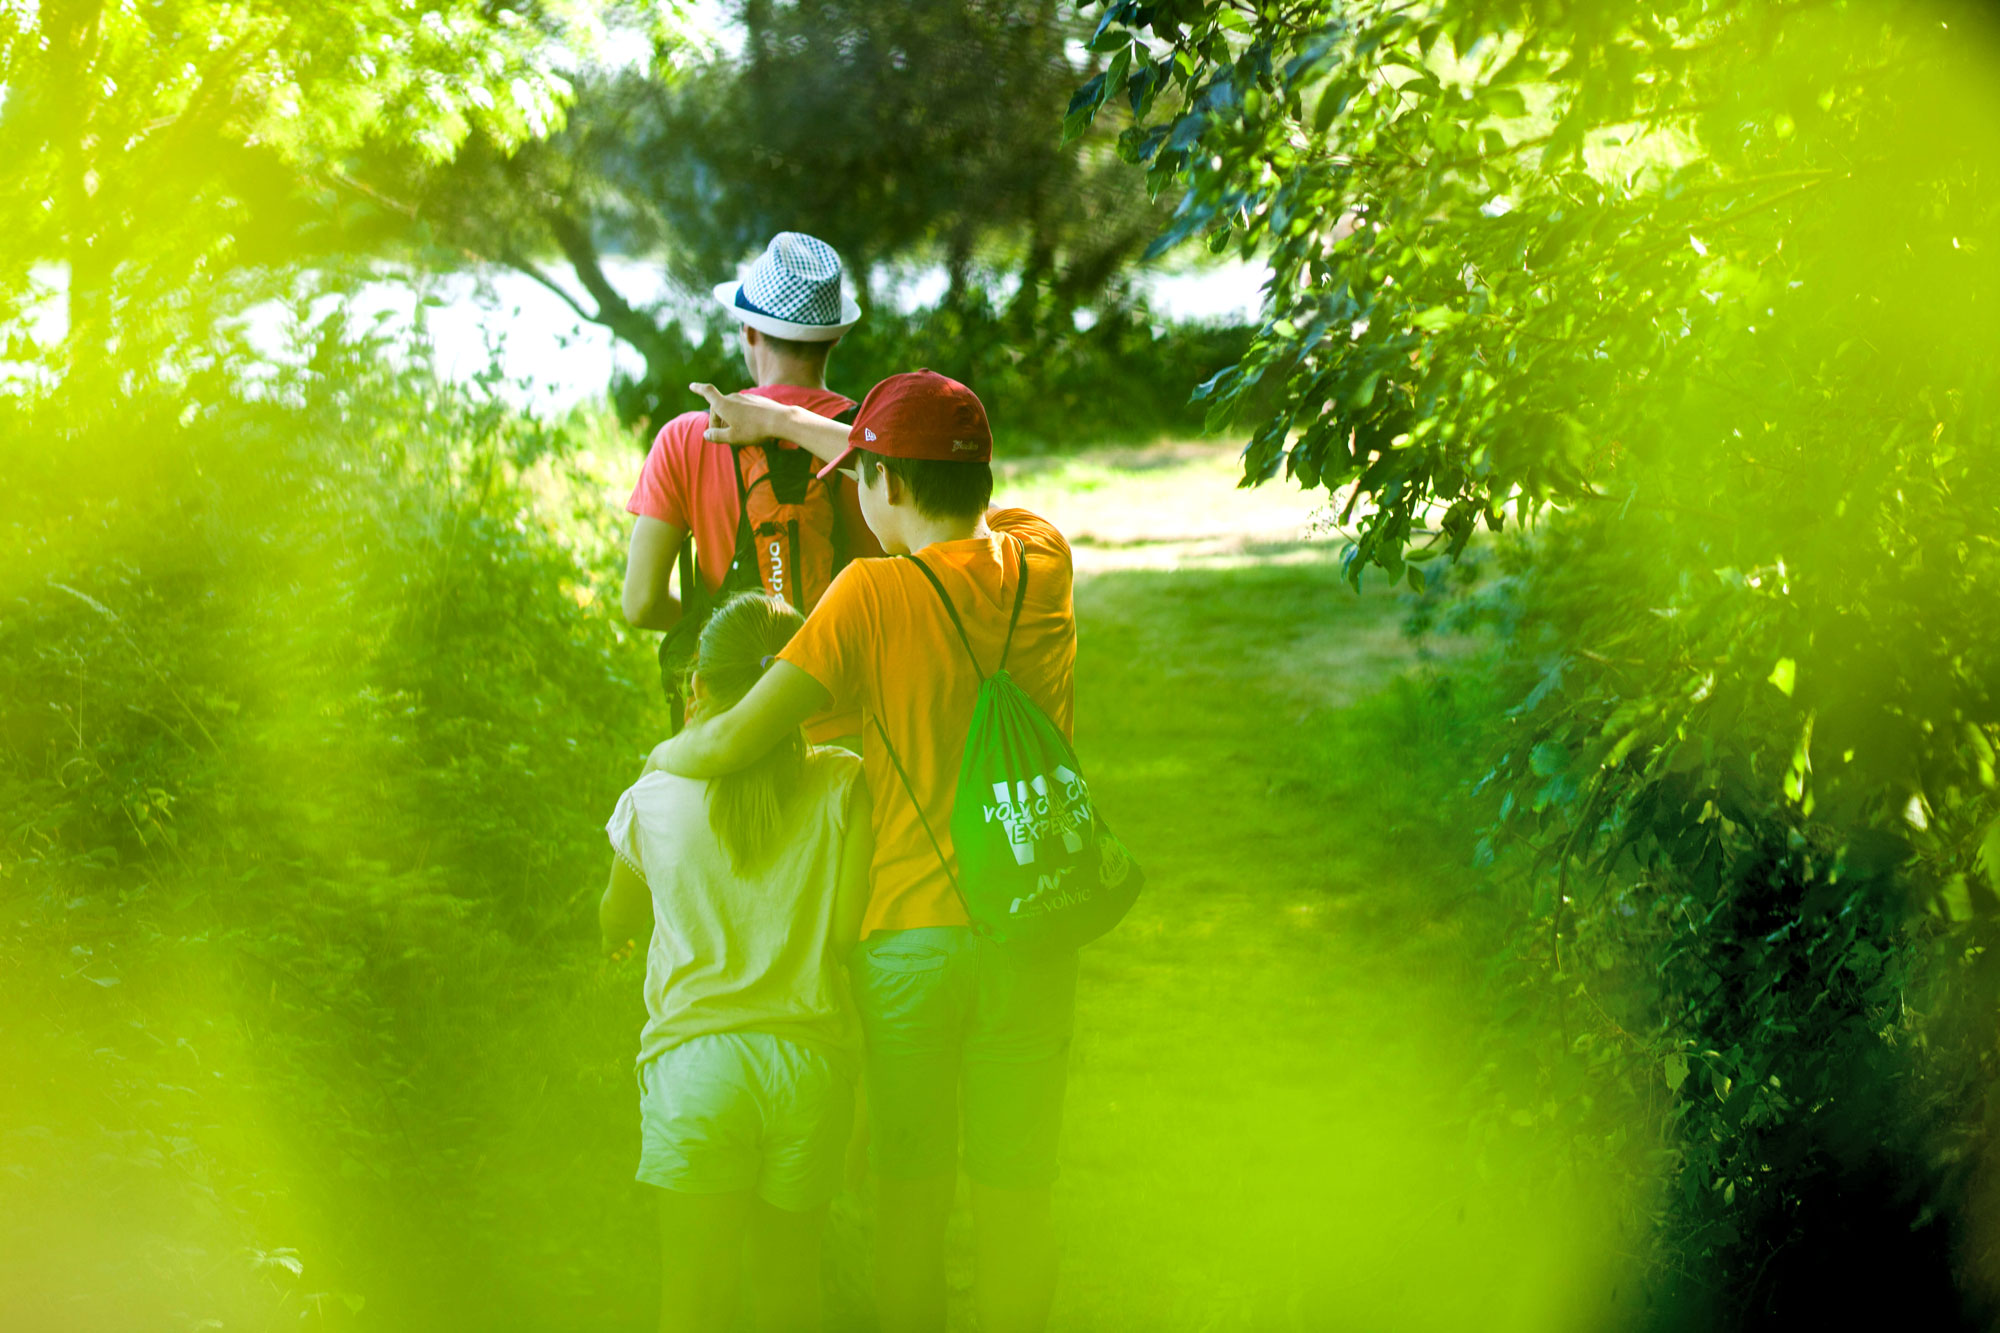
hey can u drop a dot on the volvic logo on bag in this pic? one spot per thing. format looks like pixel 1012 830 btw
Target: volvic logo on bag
pixel 1037 865
pixel 1032 810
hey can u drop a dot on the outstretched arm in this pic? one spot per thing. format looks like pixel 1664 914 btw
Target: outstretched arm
pixel 782 699
pixel 738 418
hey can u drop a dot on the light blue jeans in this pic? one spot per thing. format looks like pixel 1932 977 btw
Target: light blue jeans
pixel 943 1011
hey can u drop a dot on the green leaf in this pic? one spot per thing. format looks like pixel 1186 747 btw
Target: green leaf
pixel 1438 317
pixel 1331 103
pixel 1675 1067
pixel 1988 856
pixel 1784 675
pixel 1114 77
pixel 1186 131
pixel 1313 60
pixel 1083 109
pixel 1114 13
pixel 1957 899
pixel 1143 87
pixel 1219 382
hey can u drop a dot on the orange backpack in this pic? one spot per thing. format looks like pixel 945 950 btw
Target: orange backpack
pixel 790 541
pixel 788 528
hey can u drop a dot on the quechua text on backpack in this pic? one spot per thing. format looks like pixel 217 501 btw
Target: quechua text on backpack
pixel 790 542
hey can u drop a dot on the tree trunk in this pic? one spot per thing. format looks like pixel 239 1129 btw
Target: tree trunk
pixel 958 265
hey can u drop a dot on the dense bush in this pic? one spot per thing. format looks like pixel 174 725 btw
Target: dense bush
pixel 1769 979
pixel 307 722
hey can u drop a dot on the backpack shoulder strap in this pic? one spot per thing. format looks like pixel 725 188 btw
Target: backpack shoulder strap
pixel 951 610
pixel 897 760
pixel 744 559
pixel 691 589
pixel 736 470
pixel 1020 595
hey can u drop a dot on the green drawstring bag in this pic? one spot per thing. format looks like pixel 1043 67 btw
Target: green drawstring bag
pixel 1038 868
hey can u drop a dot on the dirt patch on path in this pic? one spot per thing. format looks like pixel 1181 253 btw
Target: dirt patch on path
pixel 1177 508
pixel 1166 506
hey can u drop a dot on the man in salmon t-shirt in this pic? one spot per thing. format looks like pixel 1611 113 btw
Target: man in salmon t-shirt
pixel 793 311
pixel 942 1011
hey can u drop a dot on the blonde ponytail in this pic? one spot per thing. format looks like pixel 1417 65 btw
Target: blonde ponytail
pixel 746 808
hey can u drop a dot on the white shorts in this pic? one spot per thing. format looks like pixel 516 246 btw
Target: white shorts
pixel 745 1110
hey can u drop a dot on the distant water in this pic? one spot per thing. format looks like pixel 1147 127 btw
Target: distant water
pixel 550 358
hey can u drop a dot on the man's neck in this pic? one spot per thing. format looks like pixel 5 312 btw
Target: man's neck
pixel 797 377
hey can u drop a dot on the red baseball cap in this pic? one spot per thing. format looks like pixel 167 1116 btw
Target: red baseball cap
pixel 921 414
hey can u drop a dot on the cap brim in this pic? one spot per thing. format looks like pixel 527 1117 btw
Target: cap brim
pixel 850 315
pixel 834 466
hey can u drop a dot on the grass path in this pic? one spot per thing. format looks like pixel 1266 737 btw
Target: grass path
pixel 1268 1124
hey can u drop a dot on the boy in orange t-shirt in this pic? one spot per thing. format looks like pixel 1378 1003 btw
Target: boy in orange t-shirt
pixel 942 1011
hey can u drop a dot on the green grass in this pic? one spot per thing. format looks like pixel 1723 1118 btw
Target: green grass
pixel 1269 1124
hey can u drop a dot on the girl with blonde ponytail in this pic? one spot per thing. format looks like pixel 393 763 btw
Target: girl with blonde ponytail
pixel 752 886
pixel 737 646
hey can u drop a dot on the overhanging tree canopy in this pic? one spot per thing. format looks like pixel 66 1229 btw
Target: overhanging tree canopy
pixel 150 149
pixel 916 131
pixel 1566 216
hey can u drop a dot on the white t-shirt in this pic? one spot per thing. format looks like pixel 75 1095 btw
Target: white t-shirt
pixel 737 953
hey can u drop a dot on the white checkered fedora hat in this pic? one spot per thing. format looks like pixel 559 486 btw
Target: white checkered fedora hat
pixel 793 291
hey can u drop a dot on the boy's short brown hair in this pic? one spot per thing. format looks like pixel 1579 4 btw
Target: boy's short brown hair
pixel 938 488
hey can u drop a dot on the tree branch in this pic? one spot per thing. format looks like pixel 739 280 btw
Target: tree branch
pixel 614 312
pixel 526 267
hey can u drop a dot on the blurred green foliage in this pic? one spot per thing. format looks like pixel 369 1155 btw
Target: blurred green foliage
pixel 304 677
pixel 1718 279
